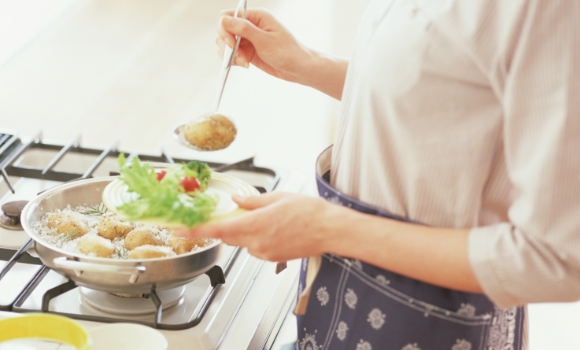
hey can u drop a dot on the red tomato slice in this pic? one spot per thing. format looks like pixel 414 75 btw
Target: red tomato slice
pixel 190 184
pixel 161 175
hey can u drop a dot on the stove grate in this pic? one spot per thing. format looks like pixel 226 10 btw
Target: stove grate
pixel 216 275
pixel 17 148
pixel 12 148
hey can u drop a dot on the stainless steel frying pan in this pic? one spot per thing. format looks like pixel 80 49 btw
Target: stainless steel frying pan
pixel 106 274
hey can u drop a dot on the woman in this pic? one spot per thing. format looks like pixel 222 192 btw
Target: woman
pixel 455 163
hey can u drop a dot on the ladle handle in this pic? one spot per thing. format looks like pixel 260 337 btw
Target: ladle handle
pixel 226 65
pixel 229 55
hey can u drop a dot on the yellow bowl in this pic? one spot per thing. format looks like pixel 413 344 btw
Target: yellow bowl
pixel 45 326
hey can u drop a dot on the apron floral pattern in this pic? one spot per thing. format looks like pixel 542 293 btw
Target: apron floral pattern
pixel 357 306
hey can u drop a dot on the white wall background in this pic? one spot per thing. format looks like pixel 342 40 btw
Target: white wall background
pixel 135 69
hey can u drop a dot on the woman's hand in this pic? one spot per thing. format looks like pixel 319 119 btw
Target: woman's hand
pixel 268 45
pixel 279 227
pixel 265 43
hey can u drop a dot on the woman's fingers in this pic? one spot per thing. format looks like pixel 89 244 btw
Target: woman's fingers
pixel 221 46
pixel 224 38
pixel 227 37
pixel 228 12
pixel 237 230
pixel 241 27
pixel 254 202
pixel 245 50
pixel 210 230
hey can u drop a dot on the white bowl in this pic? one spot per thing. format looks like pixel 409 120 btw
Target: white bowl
pixel 122 336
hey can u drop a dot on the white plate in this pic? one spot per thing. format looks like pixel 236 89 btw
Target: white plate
pixel 123 336
pixel 221 185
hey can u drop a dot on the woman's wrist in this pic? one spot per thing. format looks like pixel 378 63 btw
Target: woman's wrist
pixel 343 228
pixel 322 72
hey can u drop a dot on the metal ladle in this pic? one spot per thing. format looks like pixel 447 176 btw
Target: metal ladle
pixel 213 131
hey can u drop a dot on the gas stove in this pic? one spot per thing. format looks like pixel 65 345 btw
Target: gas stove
pixel 240 303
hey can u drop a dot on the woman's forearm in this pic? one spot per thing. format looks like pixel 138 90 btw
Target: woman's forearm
pixel 433 255
pixel 307 226
pixel 323 72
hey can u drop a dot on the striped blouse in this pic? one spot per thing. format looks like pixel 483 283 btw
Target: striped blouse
pixel 466 114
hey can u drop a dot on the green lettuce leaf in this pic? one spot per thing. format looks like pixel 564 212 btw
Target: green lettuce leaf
pixel 166 199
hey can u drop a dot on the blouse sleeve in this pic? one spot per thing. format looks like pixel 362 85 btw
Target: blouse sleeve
pixel 535 257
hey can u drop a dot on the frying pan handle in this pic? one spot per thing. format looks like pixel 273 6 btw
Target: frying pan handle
pixel 80 267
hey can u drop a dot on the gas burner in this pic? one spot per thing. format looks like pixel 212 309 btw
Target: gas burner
pixel 10 219
pixel 120 305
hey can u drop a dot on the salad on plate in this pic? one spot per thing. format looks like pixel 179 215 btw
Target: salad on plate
pixel 176 194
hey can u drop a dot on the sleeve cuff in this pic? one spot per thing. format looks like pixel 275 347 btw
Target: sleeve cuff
pixel 485 262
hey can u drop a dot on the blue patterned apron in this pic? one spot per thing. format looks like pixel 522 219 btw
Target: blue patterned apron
pixel 357 306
